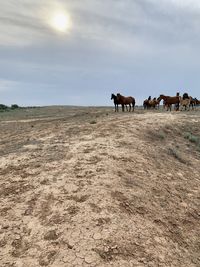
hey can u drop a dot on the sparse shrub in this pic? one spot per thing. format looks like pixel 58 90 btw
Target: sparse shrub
pixel 14 106
pixel 161 135
pixel 157 135
pixel 3 107
pixel 192 138
pixel 186 135
pixel 173 152
pixel 93 122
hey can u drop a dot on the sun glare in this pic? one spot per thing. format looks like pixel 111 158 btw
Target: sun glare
pixel 61 22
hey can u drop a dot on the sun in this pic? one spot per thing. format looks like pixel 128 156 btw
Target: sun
pixel 61 22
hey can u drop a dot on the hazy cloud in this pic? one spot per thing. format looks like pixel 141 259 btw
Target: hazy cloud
pixel 138 47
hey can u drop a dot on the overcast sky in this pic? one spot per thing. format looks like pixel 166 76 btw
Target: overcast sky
pixel 135 47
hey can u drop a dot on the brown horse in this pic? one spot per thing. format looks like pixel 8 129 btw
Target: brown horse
pixel 169 100
pixel 197 102
pixel 194 102
pixel 147 104
pixel 185 102
pixel 116 102
pixel 154 103
pixel 126 101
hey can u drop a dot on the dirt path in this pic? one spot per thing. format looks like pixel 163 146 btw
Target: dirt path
pixel 87 187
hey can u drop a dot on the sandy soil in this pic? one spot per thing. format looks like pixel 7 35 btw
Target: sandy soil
pixel 89 187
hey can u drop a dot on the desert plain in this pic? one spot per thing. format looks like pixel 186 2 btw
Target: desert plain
pixel 85 186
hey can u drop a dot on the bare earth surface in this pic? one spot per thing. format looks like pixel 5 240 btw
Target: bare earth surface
pixel 89 187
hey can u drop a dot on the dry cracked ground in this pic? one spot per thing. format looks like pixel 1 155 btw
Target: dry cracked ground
pixel 90 187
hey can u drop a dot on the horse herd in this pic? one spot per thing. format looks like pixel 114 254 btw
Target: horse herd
pixel 179 102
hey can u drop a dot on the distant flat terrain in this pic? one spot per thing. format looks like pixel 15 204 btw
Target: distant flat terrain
pixel 85 186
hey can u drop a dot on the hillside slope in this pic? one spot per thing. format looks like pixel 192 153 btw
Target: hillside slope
pixel 88 187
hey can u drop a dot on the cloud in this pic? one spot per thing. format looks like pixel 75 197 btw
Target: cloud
pixel 133 46
pixel 120 24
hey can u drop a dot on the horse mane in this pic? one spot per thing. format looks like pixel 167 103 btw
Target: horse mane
pixel 118 95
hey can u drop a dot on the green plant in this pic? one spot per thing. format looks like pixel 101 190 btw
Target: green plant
pixel 14 106
pixel 3 107
pixel 192 138
pixel 161 135
pixel 93 122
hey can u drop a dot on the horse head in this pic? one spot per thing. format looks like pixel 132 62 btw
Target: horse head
pixel 160 98
pixel 185 96
pixel 113 96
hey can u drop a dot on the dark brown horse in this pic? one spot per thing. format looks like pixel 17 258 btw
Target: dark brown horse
pixel 146 104
pixel 194 102
pixel 169 100
pixel 129 100
pixel 197 101
pixel 116 102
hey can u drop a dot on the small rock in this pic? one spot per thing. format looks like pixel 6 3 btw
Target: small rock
pixel 51 235
pixel 5 226
pixel 90 258
pixel 97 236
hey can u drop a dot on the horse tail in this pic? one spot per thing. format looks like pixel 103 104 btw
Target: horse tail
pixel 133 103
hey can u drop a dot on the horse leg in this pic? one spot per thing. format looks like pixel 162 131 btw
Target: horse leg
pixel 133 105
pixel 126 108
pixel 123 107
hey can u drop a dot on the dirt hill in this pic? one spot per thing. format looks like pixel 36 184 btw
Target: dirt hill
pixel 90 187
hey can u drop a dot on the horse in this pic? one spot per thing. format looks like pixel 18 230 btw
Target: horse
pixel 148 103
pixel 185 96
pixel 154 103
pixel 194 102
pixel 169 100
pixel 126 101
pixel 185 102
pixel 197 101
pixel 116 102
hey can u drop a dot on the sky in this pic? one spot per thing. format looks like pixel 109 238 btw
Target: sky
pixel 98 47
